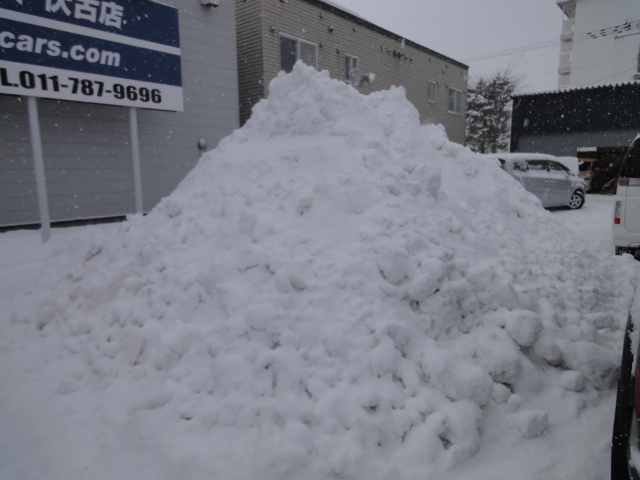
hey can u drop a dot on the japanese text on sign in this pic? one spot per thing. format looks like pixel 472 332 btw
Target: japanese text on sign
pixel 107 13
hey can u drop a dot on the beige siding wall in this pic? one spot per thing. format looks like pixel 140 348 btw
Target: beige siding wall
pixel 393 61
pixel 251 85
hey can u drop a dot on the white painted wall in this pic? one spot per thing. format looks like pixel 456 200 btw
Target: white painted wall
pixel 610 58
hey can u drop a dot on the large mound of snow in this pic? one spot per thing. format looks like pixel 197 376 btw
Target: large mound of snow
pixel 334 292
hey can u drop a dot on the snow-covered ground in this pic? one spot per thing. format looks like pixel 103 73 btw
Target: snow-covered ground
pixel 593 222
pixel 335 292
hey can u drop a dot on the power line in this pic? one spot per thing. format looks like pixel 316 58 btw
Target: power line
pixel 623 27
pixel 536 57
pixel 504 53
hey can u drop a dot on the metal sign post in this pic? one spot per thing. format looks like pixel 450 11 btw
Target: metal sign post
pixel 38 164
pixel 135 151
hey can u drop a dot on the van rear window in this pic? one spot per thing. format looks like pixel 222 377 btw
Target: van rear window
pixel 631 164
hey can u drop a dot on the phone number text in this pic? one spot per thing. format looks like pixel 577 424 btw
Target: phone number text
pixel 79 86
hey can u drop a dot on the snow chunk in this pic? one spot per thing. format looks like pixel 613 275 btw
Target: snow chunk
pixel 572 381
pixel 456 378
pixel 547 349
pixel 531 423
pixel 600 367
pixel 500 393
pixel 524 327
pixel 498 355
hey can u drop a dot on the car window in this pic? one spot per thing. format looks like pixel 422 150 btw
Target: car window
pixel 631 164
pixel 558 167
pixel 539 165
pixel 520 166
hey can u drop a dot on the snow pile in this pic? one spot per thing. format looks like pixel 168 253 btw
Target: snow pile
pixel 334 292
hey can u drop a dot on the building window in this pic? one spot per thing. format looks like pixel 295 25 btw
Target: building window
pixel 350 64
pixel 431 90
pixel 293 49
pixel 455 101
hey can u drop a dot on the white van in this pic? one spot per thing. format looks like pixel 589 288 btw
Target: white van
pixel 626 214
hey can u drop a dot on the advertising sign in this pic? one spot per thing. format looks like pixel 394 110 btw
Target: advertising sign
pixel 114 52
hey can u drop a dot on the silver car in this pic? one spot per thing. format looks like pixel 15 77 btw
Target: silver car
pixel 546 177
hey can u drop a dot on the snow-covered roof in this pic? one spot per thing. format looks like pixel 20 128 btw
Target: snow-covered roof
pixel 339 10
pixel 337 5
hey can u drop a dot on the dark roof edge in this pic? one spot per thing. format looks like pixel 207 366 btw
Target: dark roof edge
pixel 577 89
pixel 382 31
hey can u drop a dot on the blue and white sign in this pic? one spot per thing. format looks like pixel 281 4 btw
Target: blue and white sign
pixel 114 52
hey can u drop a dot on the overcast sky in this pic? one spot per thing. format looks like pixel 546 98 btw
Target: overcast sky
pixel 467 30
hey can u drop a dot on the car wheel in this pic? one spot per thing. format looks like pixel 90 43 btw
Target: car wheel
pixel 577 200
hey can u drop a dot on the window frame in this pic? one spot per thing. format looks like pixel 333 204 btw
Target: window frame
pixel 350 58
pixel 299 42
pixel 432 91
pixel 456 107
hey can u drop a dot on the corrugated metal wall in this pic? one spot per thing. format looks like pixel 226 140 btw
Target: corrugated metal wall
pixel 560 122
pixel 567 144
pixel 87 153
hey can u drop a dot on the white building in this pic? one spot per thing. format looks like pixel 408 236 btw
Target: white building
pixel 600 42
